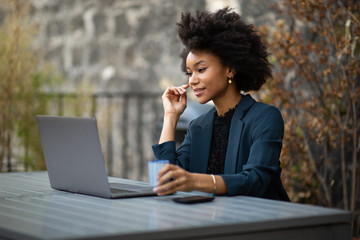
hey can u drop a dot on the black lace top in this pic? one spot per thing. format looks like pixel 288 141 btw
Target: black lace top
pixel 219 142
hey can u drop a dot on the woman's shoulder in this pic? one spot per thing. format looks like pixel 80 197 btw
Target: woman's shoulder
pixel 263 117
pixel 263 107
pixel 249 108
pixel 263 110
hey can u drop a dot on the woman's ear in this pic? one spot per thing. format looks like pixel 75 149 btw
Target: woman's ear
pixel 231 72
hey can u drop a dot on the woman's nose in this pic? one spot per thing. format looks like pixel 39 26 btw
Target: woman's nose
pixel 192 79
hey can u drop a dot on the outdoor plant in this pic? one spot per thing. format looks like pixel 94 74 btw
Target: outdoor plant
pixel 316 54
pixel 21 85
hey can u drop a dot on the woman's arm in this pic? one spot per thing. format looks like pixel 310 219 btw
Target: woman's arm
pixel 262 152
pixel 174 104
pixel 183 180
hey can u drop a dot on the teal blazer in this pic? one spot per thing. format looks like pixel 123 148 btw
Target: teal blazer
pixel 252 165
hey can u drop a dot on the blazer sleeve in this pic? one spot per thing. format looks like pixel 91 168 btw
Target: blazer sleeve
pixel 262 142
pixel 180 157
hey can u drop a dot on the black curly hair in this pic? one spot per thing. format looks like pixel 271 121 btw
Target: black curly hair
pixel 235 43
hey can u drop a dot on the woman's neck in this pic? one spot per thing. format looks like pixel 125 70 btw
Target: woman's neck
pixel 223 105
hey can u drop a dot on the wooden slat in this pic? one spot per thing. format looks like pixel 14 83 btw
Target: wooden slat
pixel 29 208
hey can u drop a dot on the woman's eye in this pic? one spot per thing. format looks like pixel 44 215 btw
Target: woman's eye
pixel 188 74
pixel 201 70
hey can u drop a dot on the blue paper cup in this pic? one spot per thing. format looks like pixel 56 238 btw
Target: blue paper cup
pixel 154 168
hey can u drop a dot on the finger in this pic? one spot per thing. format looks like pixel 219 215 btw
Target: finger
pixel 165 192
pixel 168 188
pixel 177 183
pixel 165 169
pixel 166 177
pixel 184 99
pixel 176 90
pixel 172 91
pixel 170 185
pixel 181 90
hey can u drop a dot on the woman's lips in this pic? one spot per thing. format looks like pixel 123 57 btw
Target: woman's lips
pixel 198 91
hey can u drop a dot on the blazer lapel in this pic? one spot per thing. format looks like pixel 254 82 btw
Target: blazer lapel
pixel 201 143
pixel 236 129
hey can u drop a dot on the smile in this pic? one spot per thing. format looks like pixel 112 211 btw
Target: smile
pixel 198 91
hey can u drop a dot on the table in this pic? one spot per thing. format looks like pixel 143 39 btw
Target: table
pixel 30 209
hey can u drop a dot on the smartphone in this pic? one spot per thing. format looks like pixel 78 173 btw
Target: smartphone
pixel 193 199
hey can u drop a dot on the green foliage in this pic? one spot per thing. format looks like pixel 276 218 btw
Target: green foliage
pixel 21 84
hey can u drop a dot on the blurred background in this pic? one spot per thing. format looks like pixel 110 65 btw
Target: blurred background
pixel 112 59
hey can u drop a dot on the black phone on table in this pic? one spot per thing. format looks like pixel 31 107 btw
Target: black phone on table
pixel 193 199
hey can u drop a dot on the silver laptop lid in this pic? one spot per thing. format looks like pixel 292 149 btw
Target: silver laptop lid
pixel 73 155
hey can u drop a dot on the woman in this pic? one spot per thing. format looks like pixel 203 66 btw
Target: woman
pixel 233 149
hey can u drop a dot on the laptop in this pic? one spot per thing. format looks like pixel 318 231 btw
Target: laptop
pixel 75 161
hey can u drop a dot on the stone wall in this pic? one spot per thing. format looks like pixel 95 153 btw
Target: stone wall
pixel 122 45
pixel 112 45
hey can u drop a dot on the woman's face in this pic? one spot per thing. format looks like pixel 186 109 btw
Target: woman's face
pixel 207 76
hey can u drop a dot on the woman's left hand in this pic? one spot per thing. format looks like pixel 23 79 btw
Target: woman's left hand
pixel 181 180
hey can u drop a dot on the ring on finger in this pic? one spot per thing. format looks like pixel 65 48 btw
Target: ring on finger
pixel 176 182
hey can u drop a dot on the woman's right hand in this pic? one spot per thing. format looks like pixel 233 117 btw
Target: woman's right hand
pixel 174 100
pixel 174 103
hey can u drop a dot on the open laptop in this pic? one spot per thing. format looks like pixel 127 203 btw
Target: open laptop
pixel 75 161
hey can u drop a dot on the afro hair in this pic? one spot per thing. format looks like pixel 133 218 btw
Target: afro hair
pixel 235 43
